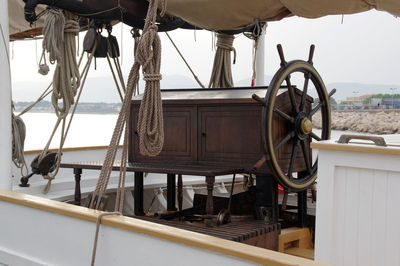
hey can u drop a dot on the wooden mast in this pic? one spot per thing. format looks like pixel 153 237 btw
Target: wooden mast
pixel 5 101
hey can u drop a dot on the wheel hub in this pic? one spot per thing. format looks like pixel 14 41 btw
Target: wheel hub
pixel 306 125
pixel 303 126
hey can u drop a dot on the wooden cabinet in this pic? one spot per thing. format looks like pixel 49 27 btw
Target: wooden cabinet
pixel 209 127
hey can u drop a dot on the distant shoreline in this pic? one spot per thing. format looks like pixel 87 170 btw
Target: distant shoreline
pixel 82 108
pixel 384 121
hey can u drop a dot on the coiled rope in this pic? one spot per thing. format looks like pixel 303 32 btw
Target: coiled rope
pixel 148 55
pixel 18 133
pixel 221 75
pixel 53 36
pixel 59 40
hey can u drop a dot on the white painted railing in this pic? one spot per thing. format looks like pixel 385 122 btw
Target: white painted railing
pixel 357 217
pixel 37 231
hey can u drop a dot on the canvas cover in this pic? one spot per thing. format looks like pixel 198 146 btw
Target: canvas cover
pixel 17 22
pixel 234 14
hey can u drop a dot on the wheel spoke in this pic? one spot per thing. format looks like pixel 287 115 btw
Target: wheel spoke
pixel 284 115
pixel 315 109
pixel 305 88
pixel 291 95
pixel 306 156
pixel 314 136
pixel 292 158
pixel 284 140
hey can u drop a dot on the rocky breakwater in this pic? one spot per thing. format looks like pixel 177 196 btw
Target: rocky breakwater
pixel 374 121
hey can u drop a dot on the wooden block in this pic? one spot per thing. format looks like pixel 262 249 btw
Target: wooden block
pixel 294 238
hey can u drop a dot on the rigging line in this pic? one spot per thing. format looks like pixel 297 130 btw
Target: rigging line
pixel 41 97
pixel 84 74
pixel 184 60
pixel 119 71
pixel 115 78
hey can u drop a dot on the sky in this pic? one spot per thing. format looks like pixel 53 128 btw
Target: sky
pixel 359 48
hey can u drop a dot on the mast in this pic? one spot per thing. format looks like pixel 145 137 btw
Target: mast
pixel 260 59
pixel 5 101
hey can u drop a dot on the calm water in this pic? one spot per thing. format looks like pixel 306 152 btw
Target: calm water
pixel 86 130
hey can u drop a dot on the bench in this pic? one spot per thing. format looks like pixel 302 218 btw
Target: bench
pixel 209 172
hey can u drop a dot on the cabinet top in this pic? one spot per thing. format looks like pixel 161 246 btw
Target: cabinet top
pixel 208 94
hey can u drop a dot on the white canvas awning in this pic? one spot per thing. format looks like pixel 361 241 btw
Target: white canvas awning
pixel 17 22
pixel 234 14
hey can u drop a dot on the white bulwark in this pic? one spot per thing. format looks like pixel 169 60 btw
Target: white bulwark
pixel 5 100
pixel 357 217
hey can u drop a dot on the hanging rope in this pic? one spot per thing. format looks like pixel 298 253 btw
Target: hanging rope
pixel 59 40
pixel 66 79
pixel 221 75
pixel 150 120
pixel 148 56
pixel 96 234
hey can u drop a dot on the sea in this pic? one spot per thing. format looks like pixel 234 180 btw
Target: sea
pixel 86 130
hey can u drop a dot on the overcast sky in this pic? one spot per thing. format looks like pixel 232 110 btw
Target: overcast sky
pixel 364 49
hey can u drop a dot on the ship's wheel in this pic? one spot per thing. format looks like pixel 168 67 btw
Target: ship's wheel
pixel 300 110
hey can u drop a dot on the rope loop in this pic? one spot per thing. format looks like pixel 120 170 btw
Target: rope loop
pixel 225 41
pixel 152 77
pixel 221 75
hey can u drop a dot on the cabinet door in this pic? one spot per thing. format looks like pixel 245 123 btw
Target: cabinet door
pixel 230 133
pixel 180 126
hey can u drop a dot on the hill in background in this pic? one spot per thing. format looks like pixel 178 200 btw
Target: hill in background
pixel 102 89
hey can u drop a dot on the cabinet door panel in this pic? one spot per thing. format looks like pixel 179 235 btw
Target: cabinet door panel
pixel 180 126
pixel 230 133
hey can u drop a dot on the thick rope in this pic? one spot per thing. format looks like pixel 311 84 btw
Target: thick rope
pixel 19 133
pixel 221 75
pixel 148 55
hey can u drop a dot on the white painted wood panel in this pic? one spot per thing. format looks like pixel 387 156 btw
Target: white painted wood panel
pixel 358 222
pixel 30 236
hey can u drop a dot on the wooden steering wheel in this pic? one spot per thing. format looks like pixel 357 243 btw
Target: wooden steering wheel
pixel 299 122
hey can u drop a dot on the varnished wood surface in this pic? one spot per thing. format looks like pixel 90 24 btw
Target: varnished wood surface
pixel 217 127
pixel 196 169
pixel 356 147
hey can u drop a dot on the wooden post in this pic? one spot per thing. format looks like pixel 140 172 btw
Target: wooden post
pixel 78 173
pixel 180 192
pixel 302 206
pixel 171 192
pixel 138 194
pixel 209 204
